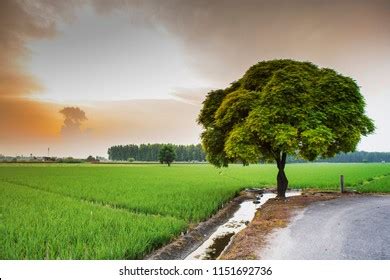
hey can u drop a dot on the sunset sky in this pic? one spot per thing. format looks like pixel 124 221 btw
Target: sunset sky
pixel 139 70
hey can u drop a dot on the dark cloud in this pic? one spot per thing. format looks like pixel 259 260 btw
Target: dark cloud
pixel 16 27
pixel 224 37
pixel 20 22
pixel 221 38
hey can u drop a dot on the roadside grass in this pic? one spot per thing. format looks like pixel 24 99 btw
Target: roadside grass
pixel 380 184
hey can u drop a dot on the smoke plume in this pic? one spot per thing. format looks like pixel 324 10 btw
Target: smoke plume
pixel 74 117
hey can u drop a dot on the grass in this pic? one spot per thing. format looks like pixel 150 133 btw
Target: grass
pixel 41 225
pixel 68 211
pixel 380 184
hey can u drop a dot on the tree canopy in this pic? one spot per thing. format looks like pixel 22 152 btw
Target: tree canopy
pixel 283 107
pixel 167 154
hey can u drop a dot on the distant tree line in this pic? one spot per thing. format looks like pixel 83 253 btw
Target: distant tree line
pixel 150 152
pixel 360 156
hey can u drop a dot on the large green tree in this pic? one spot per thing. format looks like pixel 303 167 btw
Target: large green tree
pixel 167 154
pixel 282 107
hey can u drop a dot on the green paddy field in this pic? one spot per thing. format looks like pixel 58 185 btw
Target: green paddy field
pixel 90 211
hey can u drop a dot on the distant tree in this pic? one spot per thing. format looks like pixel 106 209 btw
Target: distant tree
pixel 130 159
pixel 90 159
pixel 167 154
pixel 282 107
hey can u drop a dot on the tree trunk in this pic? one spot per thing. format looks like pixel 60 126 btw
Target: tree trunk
pixel 282 182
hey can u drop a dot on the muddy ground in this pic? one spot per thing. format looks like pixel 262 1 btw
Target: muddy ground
pixel 274 214
pixel 182 246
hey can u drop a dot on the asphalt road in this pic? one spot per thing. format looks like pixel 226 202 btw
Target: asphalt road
pixel 345 228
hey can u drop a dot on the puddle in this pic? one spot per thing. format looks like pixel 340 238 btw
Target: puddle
pixel 213 247
pixel 220 243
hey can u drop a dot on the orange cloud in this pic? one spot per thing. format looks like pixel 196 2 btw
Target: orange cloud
pixel 18 26
pixel 140 121
pixel 23 119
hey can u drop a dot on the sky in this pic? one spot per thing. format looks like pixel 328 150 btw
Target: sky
pixel 79 76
